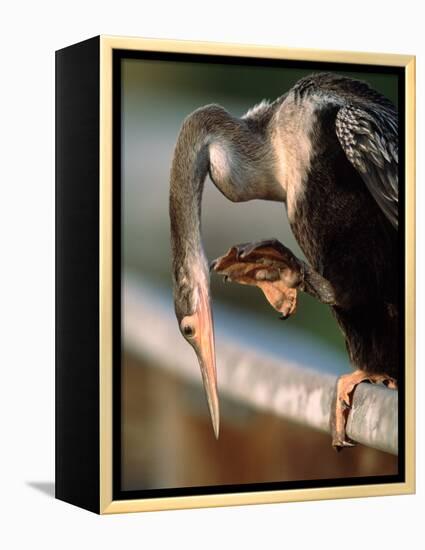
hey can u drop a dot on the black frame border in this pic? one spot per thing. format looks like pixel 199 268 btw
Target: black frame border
pixel 77 156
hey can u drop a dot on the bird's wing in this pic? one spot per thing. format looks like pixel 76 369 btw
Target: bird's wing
pixel 369 138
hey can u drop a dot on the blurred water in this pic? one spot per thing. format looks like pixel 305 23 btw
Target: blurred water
pixel 275 339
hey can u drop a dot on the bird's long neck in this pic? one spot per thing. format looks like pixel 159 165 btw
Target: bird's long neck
pixel 188 172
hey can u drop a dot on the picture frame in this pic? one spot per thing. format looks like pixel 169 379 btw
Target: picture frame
pixel 89 274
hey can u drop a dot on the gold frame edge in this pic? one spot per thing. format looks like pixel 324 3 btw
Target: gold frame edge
pixel 105 275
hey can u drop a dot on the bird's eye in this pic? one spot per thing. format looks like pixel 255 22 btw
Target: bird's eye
pixel 188 331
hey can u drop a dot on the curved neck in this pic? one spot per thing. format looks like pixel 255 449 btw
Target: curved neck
pixel 188 172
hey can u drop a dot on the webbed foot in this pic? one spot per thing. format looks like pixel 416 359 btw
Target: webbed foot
pixel 267 264
pixel 343 401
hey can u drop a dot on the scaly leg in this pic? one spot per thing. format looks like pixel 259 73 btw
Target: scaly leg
pixel 343 401
pixel 273 268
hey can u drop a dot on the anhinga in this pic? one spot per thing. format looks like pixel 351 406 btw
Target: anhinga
pixel 328 149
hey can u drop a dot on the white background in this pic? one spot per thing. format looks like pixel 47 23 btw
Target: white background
pixel 30 32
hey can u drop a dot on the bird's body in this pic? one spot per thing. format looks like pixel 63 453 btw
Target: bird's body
pixel 348 240
pixel 344 233
pixel 328 149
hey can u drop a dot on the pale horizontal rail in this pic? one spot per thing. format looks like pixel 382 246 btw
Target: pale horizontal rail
pixel 285 388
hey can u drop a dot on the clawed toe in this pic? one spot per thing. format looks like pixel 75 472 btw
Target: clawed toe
pixel 245 249
pixel 340 443
pixel 390 383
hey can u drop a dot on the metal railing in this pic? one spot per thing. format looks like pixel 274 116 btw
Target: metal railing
pixel 286 388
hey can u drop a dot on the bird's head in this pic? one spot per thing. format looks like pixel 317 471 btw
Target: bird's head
pixel 194 315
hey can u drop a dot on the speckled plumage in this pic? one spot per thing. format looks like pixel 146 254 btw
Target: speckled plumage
pixel 346 222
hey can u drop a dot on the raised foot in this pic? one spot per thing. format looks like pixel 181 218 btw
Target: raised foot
pixel 343 401
pixel 268 265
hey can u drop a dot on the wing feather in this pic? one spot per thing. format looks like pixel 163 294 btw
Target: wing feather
pixel 369 138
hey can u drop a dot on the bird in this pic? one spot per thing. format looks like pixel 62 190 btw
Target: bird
pixel 328 150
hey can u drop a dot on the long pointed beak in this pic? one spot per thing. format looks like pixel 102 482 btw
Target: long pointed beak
pixel 205 350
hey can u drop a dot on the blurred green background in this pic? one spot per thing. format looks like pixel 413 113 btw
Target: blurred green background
pixel 156 97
